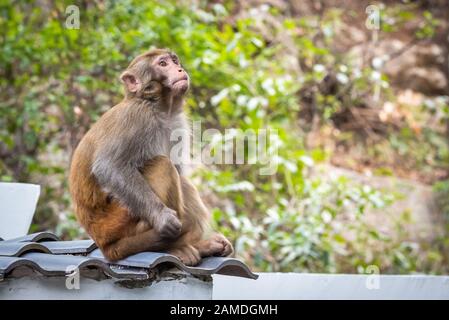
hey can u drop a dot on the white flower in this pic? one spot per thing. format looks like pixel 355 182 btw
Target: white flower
pixel 342 78
pixel 377 63
pixel 376 75
pixel 215 100
pixel 319 68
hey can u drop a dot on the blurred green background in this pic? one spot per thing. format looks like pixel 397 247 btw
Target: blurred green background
pixel 362 117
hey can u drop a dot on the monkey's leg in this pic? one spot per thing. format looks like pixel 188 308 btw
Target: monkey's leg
pixel 118 235
pixel 165 181
pixel 202 237
pixel 176 192
pixel 148 240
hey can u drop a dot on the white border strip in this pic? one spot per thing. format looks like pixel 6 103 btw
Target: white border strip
pixel 285 286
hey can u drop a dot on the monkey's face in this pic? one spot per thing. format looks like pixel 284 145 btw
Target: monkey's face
pixel 151 75
pixel 169 72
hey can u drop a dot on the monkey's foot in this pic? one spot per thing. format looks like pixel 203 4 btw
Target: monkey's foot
pixel 216 245
pixel 187 254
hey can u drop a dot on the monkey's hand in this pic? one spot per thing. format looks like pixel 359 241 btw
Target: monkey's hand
pixel 167 223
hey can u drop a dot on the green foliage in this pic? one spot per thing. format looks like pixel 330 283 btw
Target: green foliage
pixel 56 81
pixel 442 189
pixel 306 232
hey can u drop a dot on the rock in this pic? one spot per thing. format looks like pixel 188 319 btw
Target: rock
pixel 417 200
pixel 431 81
pixel 419 67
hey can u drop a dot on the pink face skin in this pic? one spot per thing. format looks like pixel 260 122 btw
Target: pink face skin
pixel 174 77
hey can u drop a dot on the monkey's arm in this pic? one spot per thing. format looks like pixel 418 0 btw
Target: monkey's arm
pixel 126 183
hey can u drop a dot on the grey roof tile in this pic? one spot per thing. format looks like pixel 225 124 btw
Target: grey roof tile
pixel 36 237
pixel 15 249
pixel 208 266
pixel 222 265
pixel 70 247
pixel 7 264
pixel 11 248
pixel 43 253
pixel 59 265
pixel 140 260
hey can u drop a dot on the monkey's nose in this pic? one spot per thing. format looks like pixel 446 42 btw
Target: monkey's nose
pixel 179 70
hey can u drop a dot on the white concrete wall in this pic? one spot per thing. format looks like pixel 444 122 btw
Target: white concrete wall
pixel 331 286
pixel 54 288
pixel 269 286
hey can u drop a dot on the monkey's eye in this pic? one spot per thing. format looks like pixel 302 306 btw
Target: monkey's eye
pixel 163 63
pixel 175 61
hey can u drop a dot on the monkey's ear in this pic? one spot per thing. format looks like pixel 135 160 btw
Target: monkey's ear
pixel 131 82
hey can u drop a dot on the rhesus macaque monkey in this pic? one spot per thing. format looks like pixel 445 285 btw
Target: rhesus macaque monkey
pixel 127 192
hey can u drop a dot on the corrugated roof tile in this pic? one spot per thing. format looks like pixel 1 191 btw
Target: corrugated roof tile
pixel 70 247
pixel 44 253
pixel 8 264
pixel 140 260
pixel 15 249
pixel 64 264
pixel 36 237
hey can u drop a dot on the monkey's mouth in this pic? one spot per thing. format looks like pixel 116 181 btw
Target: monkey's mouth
pixel 185 78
